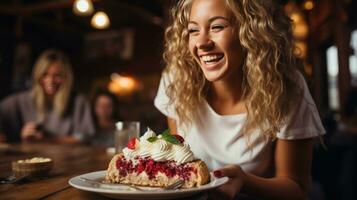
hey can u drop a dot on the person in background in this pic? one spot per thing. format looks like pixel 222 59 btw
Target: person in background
pixel 50 110
pixel 2 135
pixel 105 115
pixel 232 89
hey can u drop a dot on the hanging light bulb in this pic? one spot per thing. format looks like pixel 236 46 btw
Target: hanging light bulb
pixel 83 7
pixel 122 85
pixel 308 5
pixel 100 20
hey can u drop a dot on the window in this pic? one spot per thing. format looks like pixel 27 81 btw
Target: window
pixel 332 78
pixel 353 59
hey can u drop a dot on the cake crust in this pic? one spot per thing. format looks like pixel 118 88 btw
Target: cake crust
pixel 199 175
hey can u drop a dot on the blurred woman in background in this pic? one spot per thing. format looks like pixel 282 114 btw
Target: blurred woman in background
pixel 105 115
pixel 50 110
pixel 2 135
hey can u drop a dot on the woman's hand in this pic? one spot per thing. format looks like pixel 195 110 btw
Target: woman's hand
pixel 29 132
pixel 234 184
pixel 68 139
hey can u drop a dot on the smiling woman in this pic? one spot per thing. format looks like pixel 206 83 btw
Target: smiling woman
pixel 50 110
pixel 232 88
pixel 213 42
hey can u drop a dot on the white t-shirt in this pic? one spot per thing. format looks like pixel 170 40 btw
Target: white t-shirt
pixel 218 139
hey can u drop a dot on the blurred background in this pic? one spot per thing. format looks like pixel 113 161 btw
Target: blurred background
pixel 118 45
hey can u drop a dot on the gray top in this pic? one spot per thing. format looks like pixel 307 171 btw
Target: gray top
pixel 18 109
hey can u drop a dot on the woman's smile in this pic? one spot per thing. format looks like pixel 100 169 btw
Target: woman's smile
pixel 212 61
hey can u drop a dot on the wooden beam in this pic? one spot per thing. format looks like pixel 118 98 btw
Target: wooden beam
pixel 141 12
pixel 55 26
pixel 37 8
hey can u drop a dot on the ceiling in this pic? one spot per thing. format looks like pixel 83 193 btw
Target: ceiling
pixel 18 16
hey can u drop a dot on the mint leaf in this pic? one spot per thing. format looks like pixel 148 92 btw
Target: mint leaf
pixel 170 138
pixel 152 139
pixel 167 131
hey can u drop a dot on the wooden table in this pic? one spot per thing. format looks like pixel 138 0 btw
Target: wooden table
pixel 69 161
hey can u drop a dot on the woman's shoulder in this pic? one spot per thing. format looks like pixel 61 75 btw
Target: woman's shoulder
pixel 299 79
pixel 79 98
pixel 17 98
pixel 303 121
pixel 168 76
pixel 303 87
pixel 300 85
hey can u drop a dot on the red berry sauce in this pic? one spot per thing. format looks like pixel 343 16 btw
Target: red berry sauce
pixel 152 168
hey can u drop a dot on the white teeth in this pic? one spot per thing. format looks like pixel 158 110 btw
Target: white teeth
pixel 50 87
pixel 211 58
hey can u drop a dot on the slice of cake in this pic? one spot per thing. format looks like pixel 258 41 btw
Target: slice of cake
pixel 157 161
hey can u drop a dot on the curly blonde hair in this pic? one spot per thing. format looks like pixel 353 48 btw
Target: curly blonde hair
pixel 266 38
pixel 61 99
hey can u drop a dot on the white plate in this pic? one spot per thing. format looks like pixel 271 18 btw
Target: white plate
pixel 123 191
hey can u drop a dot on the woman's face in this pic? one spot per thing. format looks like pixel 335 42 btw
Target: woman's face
pixel 103 107
pixel 52 80
pixel 213 41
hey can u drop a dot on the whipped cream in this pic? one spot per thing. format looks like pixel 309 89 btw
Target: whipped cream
pixel 159 150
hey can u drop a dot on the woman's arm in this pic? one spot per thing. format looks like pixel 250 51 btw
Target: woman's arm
pixel 172 126
pixel 2 138
pixel 292 176
pixel 68 139
pixel 31 132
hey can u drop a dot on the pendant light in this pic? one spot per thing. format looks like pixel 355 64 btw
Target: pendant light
pixel 100 20
pixel 83 7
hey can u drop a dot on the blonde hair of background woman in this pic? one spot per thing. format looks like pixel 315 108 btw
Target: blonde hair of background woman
pixel 266 37
pixel 61 98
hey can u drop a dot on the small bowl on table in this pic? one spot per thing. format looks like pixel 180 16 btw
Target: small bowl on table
pixel 36 167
